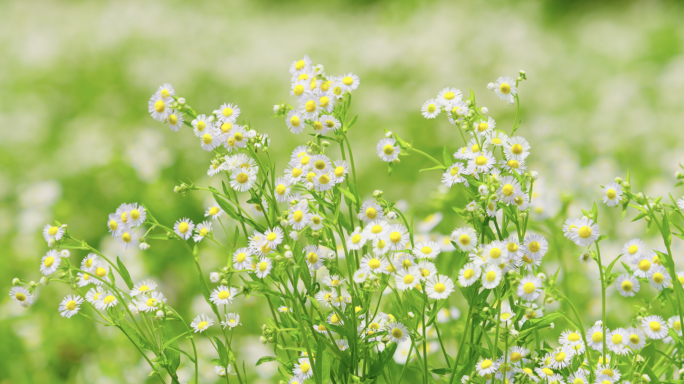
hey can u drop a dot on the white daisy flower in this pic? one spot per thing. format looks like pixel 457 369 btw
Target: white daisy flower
pixel 587 232
pixel 232 321
pixel 398 237
pixel 300 66
pixel 333 281
pixel 627 285
pixel 449 96
pixel 227 113
pixel 127 237
pixel 183 228
pixel 513 166
pixel 148 302
pixel 242 181
pixel 214 211
pixel 210 140
pixel 159 108
pixel 166 92
pixel 242 259
pixel 356 239
pixel 407 279
pixel 303 370
pixel 106 301
pixel 89 263
pixel 313 257
pixel 517 148
pixel 675 323
pixel 324 181
pixel 370 211
pixel 50 262
pixel 274 236
pixel 659 278
pixel 143 287
pixel 634 250
pixel 509 189
pixel 427 270
pixel 282 189
pixel 644 267
pixel 175 120
pixel 595 337
pixel 612 193
pixel 223 295
pixel 201 230
pixel 397 332
pixel 426 250
pixel 295 121
pixel 52 232
pixel 371 264
pixel 483 162
pixel 263 267
pixel 235 139
pixel 315 221
pixel 386 149
pixel 341 168
pixel 201 125
pixel 21 295
pixel 530 288
pixel 486 366
pixel 380 247
pixel 535 246
pixel 517 354
pixel 617 341
pixel 469 274
pixel 561 357
pixel 491 276
pixel 493 253
pixel 453 175
pixel 484 127
pixel 636 338
pixel 439 287
pixel 330 123
pixel 360 276
pixel 431 108
pixel 505 88
pixel 201 323
pixel 465 238
pixel 377 229
pixel 70 306
pixel 350 82
pixel 112 224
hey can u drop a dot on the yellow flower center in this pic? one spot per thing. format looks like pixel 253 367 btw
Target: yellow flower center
pixel 633 249
pixel 464 239
pixel 397 333
pixel 573 337
pixel 534 246
pixel 482 126
pixel 339 171
pixel 324 101
pixel 611 194
pixel 263 266
pixel 454 171
pixel 426 250
pixel 431 108
pixel 515 356
pixel 584 232
pixel 316 220
pixel 597 337
pixel 439 288
pixel 183 227
pixel 53 231
pixel 242 178
pixel 395 237
pixel 388 149
pixel 298 216
pixel 408 279
pixel 644 265
pixel 449 95
pixel 507 189
pixel 480 160
pixel 202 325
pixel 126 237
pixel 71 305
pixel 49 261
pixel 371 213
pixel 100 272
pixel 512 247
pixel 271 236
pixel 469 273
pixel 144 288
pixel 374 263
pixel 486 364
pixel 654 325
pixel 634 338
pixel 528 287
pixel 296 172
pixel 213 211
pixel 227 112
pixel 658 278
pixel 617 338
pixel 201 125
pixel 491 276
pixel 348 80
pixel 109 299
pixel 495 253
pixel 20 296
pixel 406 263
pixel 238 136
pixel 516 149
pixel 299 65
pixel 159 106
pixel 312 257
pixel 324 179
pixel 505 88
pixel 560 356
pixel 356 239
pixel 335 318
pixel 310 106
pixel 207 139
pixel 547 371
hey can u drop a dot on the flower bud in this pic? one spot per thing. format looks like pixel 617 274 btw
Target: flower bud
pixel 15 281
pixel 377 193
pixel 64 253
pixel 263 340
pixel 160 315
pixel 552 325
pixel 288 254
pixel 484 110
pixel 181 100
pixel 276 108
pixel 392 215
pixel 534 175
pixel 176 189
pixel 44 280
pixel 618 180
pixel 144 246
pixel 284 223
pixel 224 282
pixel 214 277
pixel 411 315
pixel 51 242
pixel 490 86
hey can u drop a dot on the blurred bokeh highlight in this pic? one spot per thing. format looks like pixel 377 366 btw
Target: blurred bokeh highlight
pixel 605 95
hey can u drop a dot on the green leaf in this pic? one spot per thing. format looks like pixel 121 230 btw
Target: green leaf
pixel 447 157
pixel 352 122
pixel 390 167
pixel 432 168
pixel 536 324
pixel 222 351
pixel 124 273
pixel 170 340
pixel 158 237
pixel 348 195
pixel 383 359
pixel 665 230
pixel 134 336
pixel 610 267
pixel 640 216
pixel 266 359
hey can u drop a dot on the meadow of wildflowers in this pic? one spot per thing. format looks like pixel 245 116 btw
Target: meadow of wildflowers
pixel 524 230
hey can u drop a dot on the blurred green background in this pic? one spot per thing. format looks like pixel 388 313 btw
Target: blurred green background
pixel 605 94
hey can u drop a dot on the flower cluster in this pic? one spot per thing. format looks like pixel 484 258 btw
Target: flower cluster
pixel 354 288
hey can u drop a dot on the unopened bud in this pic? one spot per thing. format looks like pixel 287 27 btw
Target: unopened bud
pixel 16 281
pixel 44 280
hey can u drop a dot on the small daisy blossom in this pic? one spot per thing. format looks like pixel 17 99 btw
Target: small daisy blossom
pixel 201 323
pixel 201 231
pixel 232 320
pixel 505 88
pixel 469 274
pixel 397 332
pixel 595 337
pixel 587 232
pixel 486 366
pixel 636 339
pixel 431 108
pixel 386 149
pixel 439 287
pixel 263 267
pixel 70 306
pixel 52 232
pixel 50 263
pixel 530 288
pixel 222 295
pixel 465 238
pixel 407 279
pixel 21 295
pixel 214 211
pixel 627 285
pixel 633 250
pixel 659 278
pixel 143 287
pixel 370 211
pixel 183 228
pixel 612 193
pixel 491 276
